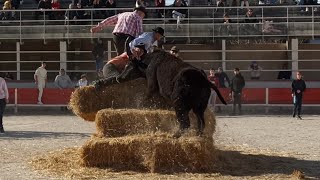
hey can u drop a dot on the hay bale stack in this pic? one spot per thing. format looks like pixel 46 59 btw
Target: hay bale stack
pixel 86 102
pixel 152 152
pixel 122 122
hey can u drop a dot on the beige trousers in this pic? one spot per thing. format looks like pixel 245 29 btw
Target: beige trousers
pixel 41 86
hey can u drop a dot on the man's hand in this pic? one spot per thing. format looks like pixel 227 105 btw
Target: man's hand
pixel 292 94
pixel 7 100
pixel 95 29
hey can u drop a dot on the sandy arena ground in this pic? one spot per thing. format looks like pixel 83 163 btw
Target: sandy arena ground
pixel 291 144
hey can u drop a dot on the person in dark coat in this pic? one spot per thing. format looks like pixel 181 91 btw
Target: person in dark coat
pixel 98 55
pixel 236 85
pixel 222 78
pixel 297 88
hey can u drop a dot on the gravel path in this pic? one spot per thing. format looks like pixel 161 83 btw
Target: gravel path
pixel 32 135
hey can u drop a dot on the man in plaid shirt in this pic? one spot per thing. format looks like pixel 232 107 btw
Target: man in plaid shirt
pixel 128 25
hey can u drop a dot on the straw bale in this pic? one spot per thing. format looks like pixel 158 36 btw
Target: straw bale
pixel 157 152
pixel 121 122
pixel 86 101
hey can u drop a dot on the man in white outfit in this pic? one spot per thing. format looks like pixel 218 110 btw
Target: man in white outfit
pixel 40 77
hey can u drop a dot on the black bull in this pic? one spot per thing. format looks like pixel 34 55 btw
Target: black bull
pixel 186 86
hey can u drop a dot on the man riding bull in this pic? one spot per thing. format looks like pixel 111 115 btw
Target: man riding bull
pixel 135 67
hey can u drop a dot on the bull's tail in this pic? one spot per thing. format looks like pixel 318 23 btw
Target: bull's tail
pixel 214 87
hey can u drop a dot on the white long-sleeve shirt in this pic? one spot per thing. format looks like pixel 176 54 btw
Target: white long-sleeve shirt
pixel 4 93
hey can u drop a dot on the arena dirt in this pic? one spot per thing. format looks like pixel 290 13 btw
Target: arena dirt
pixel 256 147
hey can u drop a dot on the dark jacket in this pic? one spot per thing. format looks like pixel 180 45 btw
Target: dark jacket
pixel 98 50
pixel 222 76
pixel 237 83
pixel 298 85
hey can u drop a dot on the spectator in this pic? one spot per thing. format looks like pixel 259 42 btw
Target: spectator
pixel 245 2
pixel 160 4
pixel 298 87
pixel 70 15
pixel 7 6
pixel 75 15
pixel 141 3
pixel 63 81
pixel 128 25
pixel 43 4
pixel 4 99
pixel 40 77
pixel 8 76
pixel 175 51
pixel 83 81
pixel 226 28
pixel 250 17
pixel 179 14
pixel 236 86
pixel 222 78
pixel 96 5
pixel 267 27
pixel 213 96
pixel 111 4
pixel 55 5
pixel 255 71
pixel 284 73
pixel 98 55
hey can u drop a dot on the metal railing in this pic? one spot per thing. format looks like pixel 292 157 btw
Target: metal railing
pixel 200 22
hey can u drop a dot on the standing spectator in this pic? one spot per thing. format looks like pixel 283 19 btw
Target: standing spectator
pixel 4 99
pixel 96 5
pixel 160 3
pixel 8 76
pixel 298 87
pixel 40 77
pixel 179 14
pixel 63 81
pixel 236 86
pixel 7 6
pixel 222 78
pixel 226 28
pixel 98 55
pixel 141 3
pixel 55 5
pixel 111 4
pixel 83 81
pixel 128 25
pixel 255 71
pixel 252 21
pixel 43 4
pixel 284 73
pixel 213 96
pixel 175 51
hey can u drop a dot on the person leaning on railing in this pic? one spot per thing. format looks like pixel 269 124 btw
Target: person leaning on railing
pixel 128 25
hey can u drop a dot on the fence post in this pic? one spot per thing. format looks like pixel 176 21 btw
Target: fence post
pixel 15 100
pixel 63 55
pixel 223 55
pixel 18 59
pixel 109 50
pixel 267 100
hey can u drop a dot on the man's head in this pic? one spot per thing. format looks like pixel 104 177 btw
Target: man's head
pixel 142 12
pixel 158 33
pixel 250 12
pixel 211 72
pixel 62 72
pixel 299 75
pixel 43 64
pixel 236 71
pixel 83 76
pixel 220 70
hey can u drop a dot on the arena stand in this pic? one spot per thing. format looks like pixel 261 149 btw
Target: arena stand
pixel 26 42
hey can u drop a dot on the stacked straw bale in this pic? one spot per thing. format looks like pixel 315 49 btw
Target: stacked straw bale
pixel 86 101
pixel 152 152
pixel 134 133
pixel 122 122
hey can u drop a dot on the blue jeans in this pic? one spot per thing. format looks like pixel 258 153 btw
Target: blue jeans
pixel 2 107
pixel 99 64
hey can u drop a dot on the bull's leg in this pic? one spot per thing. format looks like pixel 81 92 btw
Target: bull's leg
pixel 104 82
pixel 200 118
pixel 152 82
pixel 182 113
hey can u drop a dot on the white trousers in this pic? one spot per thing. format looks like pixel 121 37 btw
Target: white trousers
pixel 41 86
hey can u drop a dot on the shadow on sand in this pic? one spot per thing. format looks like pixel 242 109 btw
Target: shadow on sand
pixel 16 135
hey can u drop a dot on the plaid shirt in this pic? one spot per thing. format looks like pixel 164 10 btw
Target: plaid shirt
pixel 126 23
